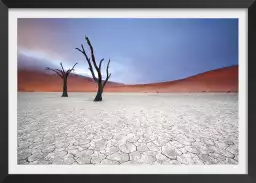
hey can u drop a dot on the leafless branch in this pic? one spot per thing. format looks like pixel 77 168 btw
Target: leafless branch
pixel 93 58
pixel 88 61
pixel 100 64
pixel 62 68
pixel 108 75
pixel 57 71
pixel 70 70
pixel 93 75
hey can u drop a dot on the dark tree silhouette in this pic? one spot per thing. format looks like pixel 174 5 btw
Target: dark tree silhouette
pixel 64 75
pixel 99 81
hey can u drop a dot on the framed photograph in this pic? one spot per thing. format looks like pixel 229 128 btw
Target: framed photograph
pixel 127 91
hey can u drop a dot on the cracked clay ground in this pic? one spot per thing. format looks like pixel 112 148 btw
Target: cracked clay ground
pixel 127 129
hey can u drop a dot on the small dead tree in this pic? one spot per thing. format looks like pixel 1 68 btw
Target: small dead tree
pixel 64 75
pixel 99 81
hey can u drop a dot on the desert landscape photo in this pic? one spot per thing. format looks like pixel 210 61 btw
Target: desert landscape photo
pixel 127 91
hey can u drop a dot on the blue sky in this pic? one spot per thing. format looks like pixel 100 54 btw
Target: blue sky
pixel 141 50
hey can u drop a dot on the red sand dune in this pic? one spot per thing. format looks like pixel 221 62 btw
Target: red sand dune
pixel 219 80
pixel 39 81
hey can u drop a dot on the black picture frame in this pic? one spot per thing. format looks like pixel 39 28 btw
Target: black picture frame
pixel 250 5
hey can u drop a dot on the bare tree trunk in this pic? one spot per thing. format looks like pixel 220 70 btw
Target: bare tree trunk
pixel 64 75
pixel 92 62
pixel 65 88
pixel 99 93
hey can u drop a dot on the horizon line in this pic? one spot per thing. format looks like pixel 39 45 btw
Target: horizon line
pixel 235 65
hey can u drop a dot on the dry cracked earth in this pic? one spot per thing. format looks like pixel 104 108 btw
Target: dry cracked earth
pixel 124 129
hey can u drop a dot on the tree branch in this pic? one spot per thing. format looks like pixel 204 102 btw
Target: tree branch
pixel 100 64
pixel 83 52
pixel 106 80
pixel 68 71
pixel 56 71
pixel 62 68
pixel 93 58
pixel 79 50
pixel 108 75
pixel 88 61
pixel 93 75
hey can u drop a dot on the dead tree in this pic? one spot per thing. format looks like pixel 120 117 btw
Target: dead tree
pixel 64 75
pixel 90 61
